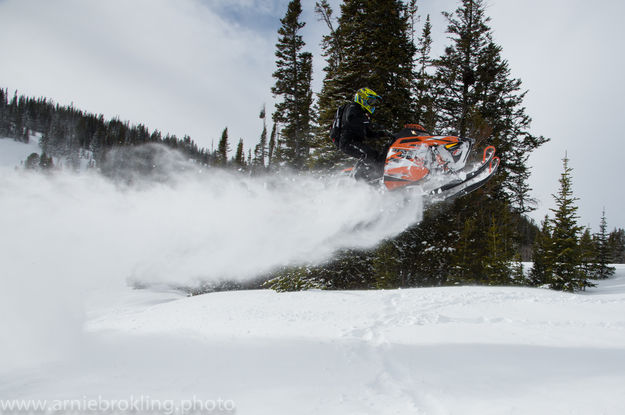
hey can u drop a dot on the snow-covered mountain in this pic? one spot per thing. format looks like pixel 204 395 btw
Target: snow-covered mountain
pixel 455 350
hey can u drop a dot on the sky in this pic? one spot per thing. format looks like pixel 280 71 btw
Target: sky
pixel 197 66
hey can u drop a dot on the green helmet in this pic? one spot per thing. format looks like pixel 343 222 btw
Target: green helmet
pixel 367 99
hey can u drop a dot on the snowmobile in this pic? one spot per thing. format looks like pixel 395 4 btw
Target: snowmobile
pixel 435 166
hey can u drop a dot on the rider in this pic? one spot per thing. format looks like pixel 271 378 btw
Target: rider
pixel 356 127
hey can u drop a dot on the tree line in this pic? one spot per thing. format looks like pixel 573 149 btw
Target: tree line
pixel 69 133
pixel 565 254
pixel 72 135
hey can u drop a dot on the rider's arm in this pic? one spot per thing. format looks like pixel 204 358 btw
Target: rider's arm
pixel 374 131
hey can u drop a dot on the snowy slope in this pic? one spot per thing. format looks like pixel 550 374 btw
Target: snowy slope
pixel 72 330
pixel 460 350
pixel 12 152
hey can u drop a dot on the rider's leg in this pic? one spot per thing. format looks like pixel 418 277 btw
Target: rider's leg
pixel 361 151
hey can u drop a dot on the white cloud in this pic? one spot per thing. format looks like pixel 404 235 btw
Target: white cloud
pixel 567 55
pixel 176 66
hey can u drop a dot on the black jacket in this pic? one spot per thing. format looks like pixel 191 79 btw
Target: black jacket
pixel 356 126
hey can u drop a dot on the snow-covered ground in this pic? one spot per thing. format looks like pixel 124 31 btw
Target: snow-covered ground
pixel 71 329
pixel 459 350
pixel 13 152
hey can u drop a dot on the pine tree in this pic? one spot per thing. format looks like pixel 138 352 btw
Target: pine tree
pixel 426 250
pixel 411 11
pixel 588 253
pixel 425 97
pixel 477 97
pixel 32 162
pixel 260 151
pixel 324 152
pixel 293 85
pixel 496 262
pixel 542 256
pixel 371 47
pixel 272 146
pixel 331 43
pixel 239 156
pixel 223 149
pixel 296 279
pixel 466 265
pixel 517 271
pixel 385 266
pixel 603 270
pixel 46 162
pixel 4 122
pixel 567 275
pixel 616 242
pixel 457 68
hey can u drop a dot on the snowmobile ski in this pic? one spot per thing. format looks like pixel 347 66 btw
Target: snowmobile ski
pixel 477 179
pixel 488 161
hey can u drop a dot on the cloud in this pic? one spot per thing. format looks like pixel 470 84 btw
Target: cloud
pixel 173 65
pixel 564 52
